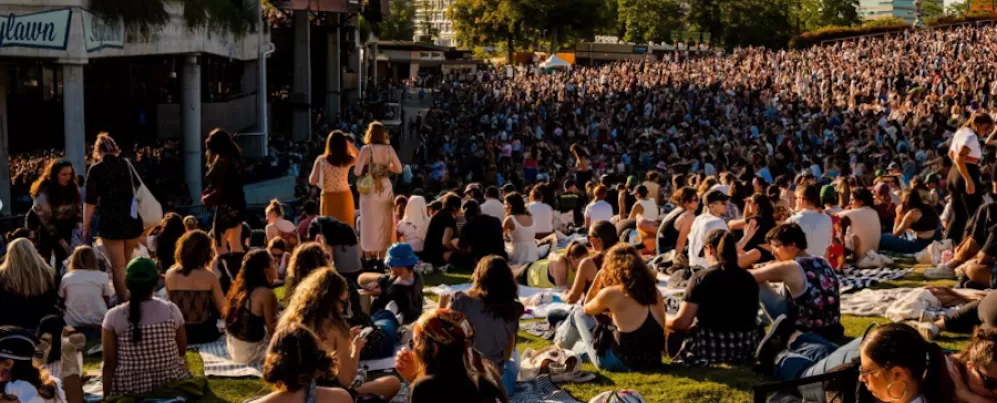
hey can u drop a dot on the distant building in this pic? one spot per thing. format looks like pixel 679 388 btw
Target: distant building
pixel 879 9
pixel 433 13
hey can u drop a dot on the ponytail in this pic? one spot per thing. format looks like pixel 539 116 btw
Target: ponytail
pixel 937 387
pixel 135 317
pixel 727 252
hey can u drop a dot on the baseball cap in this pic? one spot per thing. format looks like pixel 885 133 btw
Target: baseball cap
pixel 631 180
pixel 16 344
pixel 141 272
pixel 932 178
pixel 880 172
pixel 882 188
pixel 827 191
pixel 470 187
pixel 893 165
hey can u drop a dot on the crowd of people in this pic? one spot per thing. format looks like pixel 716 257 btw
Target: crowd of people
pixel 750 179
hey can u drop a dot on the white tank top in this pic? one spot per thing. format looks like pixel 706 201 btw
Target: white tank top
pixel 523 234
pixel 650 209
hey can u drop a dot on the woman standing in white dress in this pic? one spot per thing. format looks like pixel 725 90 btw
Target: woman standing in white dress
pixel 518 226
pixel 378 159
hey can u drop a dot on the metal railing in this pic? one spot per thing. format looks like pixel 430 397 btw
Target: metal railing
pixel 903 31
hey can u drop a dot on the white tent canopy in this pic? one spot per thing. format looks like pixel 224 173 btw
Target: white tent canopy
pixel 555 61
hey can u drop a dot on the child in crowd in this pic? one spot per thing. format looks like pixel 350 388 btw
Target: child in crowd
pixel 85 290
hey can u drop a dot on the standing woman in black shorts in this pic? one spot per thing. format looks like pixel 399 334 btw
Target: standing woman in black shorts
pixel 110 192
pixel 225 191
pixel 964 179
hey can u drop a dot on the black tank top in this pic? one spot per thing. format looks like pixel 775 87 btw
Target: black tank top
pixel 929 221
pixel 668 236
pixel 597 259
pixel 636 349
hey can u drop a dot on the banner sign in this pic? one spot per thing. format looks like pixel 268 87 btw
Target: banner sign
pixel 99 33
pixel 45 30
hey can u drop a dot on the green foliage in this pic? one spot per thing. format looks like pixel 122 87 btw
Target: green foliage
pixel 649 20
pixel 143 16
pixel 931 9
pixel 487 22
pixel 235 16
pixel 758 23
pixel 400 25
pixel 886 25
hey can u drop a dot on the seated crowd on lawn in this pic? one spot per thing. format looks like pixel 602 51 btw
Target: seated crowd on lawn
pixel 750 180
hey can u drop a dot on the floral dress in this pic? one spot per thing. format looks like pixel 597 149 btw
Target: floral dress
pixel 818 308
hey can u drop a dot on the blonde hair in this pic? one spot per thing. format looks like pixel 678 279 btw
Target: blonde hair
pixel 83 258
pixel 190 223
pixel 24 271
pixel 104 145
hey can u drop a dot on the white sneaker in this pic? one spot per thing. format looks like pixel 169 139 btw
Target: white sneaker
pixel 941 272
pixel 927 330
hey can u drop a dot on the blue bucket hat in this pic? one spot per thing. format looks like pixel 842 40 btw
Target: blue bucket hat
pixel 401 255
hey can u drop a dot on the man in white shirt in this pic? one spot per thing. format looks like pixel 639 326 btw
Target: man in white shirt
pixel 492 205
pixel 829 196
pixel 816 225
pixel 716 207
pixel 599 209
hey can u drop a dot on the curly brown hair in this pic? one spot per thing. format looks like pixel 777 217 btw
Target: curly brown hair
pixel 305 259
pixel 317 303
pixel 376 134
pixel 625 267
pixel 295 358
pixel 195 250
pixel 982 349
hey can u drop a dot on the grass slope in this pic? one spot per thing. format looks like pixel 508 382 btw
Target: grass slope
pixel 673 384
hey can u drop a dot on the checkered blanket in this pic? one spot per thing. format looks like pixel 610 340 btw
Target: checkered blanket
pixel 541 390
pixel 853 279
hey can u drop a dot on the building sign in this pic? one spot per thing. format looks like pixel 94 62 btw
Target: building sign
pixel 640 49
pixel 101 33
pixel 45 30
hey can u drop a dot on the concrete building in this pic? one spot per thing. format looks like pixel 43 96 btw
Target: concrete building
pixel 433 13
pixel 903 9
pixel 63 69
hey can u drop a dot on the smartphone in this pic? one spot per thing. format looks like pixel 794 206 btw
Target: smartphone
pixel 365 332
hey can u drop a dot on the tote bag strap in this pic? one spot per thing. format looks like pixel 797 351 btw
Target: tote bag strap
pixel 134 177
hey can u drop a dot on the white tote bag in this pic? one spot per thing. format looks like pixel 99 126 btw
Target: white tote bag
pixel 149 209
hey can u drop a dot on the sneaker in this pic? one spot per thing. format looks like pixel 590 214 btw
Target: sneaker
pixel 942 272
pixel 774 342
pixel 927 330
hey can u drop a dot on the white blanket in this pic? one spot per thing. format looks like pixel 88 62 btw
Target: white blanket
pixel 218 363
pixel 540 301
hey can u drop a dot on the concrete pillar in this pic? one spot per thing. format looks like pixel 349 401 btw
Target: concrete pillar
pixel 4 153
pixel 190 114
pixel 73 117
pixel 250 76
pixel 354 66
pixel 413 70
pixel 301 98
pixel 333 73
pixel 373 66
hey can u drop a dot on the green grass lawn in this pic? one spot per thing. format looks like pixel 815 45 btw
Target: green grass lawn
pixel 673 384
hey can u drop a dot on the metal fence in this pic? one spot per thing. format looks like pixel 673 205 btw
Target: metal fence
pixel 903 32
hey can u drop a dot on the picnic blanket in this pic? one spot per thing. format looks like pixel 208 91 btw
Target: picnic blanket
pixel 218 363
pixel 853 279
pixel 541 390
pixel 540 301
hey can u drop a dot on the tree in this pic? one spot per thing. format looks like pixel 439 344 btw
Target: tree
pixel 758 23
pixel 649 20
pixel 487 22
pixel 708 16
pixel 429 32
pixel 840 12
pixel 400 25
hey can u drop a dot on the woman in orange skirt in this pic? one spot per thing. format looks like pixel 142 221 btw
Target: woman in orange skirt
pixel 331 173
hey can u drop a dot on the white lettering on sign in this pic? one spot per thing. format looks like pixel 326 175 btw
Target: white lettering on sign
pixel 47 30
pixel 99 33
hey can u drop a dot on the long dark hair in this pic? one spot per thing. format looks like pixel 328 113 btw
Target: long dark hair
pixel 295 358
pixel 764 203
pixel 139 292
pixel 316 303
pixel 305 259
pixel 48 182
pixel 899 345
pixel 170 231
pixel 252 276
pixel 220 144
pixel 516 204
pixel 912 200
pixel 725 248
pixel 337 150
pixel 495 285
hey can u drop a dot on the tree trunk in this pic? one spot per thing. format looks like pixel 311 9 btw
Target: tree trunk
pixel 510 52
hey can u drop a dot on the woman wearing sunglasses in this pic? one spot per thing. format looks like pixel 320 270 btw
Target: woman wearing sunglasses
pixel 974 370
